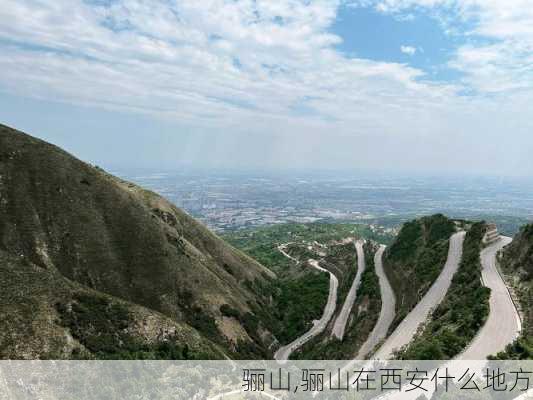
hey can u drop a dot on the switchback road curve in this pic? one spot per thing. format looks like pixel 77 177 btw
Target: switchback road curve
pixel 283 353
pixel 405 332
pixel 388 308
pixel 340 322
pixel 503 324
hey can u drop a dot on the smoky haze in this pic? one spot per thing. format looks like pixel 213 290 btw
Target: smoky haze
pixel 115 140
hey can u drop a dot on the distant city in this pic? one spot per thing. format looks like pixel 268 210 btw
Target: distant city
pixel 235 201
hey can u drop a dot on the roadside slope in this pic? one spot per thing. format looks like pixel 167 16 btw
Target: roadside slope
pixel 415 259
pixel 503 324
pixel 388 305
pixel 340 322
pixel 284 352
pixel 361 321
pixel 78 223
pixel 517 266
pixel 406 330
pixel 456 321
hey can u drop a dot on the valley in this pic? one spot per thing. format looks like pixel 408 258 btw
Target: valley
pixel 95 267
pixel 503 325
pixel 458 315
pixel 407 328
pixel 387 312
pixel 234 200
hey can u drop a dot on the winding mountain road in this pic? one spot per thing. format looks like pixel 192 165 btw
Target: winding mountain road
pixel 388 306
pixel 282 249
pixel 501 328
pixel 283 353
pixel 503 325
pixel 404 333
pixel 340 322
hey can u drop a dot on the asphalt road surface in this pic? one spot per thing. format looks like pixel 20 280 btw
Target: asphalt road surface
pixel 388 306
pixel 340 323
pixel 404 333
pixel 284 352
pixel 503 324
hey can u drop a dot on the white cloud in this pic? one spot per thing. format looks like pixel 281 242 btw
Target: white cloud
pixel 498 57
pixel 409 50
pixel 212 63
pixel 259 66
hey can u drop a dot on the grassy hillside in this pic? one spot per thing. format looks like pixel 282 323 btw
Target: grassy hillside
pixel 298 302
pixel 301 293
pixel 341 260
pixel 43 315
pixel 415 259
pixel 261 243
pixel 517 266
pixel 67 226
pixel 463 311
pixel 363 317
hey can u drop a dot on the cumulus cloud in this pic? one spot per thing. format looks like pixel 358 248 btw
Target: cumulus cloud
pixel 212 63
pixel 498 57
pixel 409 50
pixel 260 66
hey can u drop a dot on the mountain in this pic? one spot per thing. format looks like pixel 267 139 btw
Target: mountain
pixel 517 265
pixel 415 259
pixel 457 319
pixel 94 266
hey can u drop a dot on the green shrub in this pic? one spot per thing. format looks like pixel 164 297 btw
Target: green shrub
pixel 415 259
pixel 464 310
pixel 229 311
pixel 101 326
pixel 298 303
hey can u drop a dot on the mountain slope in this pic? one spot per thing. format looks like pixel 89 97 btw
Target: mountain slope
pixel 415 259
pixel 66 224
pixel 457 319
pixel 517 266
pixel 39 305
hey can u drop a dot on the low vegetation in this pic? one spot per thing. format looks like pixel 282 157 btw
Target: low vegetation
pixel 298 303
pixel 300 294
pixel 82 226
pixel 341 260
pixel 464 310
pixel 517 266
pixel 364 315
pixel 104 329
pixel 293 305
pixel 261 243
pixel 415 259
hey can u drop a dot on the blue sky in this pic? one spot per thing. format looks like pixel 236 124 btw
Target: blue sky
pixel 433 85
pixel 368 33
